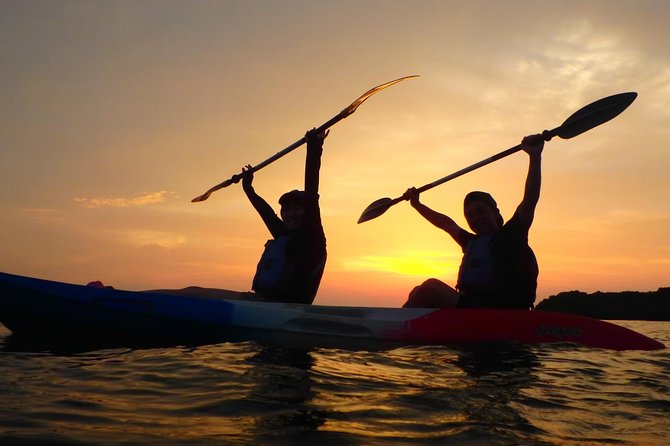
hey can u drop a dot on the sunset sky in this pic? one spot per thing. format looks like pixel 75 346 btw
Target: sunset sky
pixel 114 115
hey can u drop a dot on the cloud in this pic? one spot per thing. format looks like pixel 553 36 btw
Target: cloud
pixel 45 214
pixel 142 200
pixel 39 211
pixel 152 238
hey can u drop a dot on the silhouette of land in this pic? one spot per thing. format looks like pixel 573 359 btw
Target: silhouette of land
pixel 624 305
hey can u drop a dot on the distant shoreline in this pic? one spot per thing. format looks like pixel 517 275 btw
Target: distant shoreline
pixel 624 305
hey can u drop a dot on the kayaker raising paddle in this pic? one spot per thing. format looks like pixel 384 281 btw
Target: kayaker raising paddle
pixel 293 261
pixel 498 269
pixel 292 264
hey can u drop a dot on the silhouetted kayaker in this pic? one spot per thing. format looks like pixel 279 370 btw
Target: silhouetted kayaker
pixel 293 261
pixel 499 269
pixel 292 264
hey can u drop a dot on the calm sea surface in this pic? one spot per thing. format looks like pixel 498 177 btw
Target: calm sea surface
pixel 249 394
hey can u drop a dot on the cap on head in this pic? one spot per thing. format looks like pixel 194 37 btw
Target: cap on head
pixel 484 197
pixel 293 197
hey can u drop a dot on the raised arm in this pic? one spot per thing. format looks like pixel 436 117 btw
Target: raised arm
pixel 270 218
pixel 439 220
pixel 312 168
pixel 313 161
pixel 532 145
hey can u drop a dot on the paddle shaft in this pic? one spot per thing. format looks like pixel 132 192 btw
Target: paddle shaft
pixel 457 174
pixel 238 176
pixel 547 135
pixel 325 126
pixel 582 120
pixel 334 120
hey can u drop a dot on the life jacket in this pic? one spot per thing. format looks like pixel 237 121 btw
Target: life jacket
pixel 495 274
pixel 274 269
pixel 479 265
pixel 280 279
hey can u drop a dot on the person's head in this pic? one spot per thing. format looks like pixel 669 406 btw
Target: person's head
pixel 482 213
pixel 292 208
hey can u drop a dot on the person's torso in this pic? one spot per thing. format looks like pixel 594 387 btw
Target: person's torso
pixel 498 270
pixel 290 268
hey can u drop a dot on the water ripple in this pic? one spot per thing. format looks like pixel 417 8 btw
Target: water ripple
pixel 248 394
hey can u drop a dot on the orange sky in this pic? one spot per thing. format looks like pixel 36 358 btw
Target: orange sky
pixel 113 115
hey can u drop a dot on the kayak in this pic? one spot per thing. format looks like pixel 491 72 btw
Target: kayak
pixel 44 309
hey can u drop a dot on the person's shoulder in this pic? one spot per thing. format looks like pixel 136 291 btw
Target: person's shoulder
pixel 514 231
pixel 463 237
pixel 515 222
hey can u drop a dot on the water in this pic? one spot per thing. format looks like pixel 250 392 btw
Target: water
pixel 249 394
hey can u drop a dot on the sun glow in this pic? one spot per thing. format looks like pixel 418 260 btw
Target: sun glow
pixel 410 263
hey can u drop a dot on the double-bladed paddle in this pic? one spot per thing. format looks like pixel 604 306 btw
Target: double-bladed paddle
pixel 337 118
pixel 582 120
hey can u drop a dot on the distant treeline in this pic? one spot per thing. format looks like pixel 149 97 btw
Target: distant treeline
pixel 625 305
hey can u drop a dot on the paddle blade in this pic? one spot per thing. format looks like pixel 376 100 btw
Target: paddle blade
pixel 376 209
pixel 232 180
pixel 354 105
pixel 595 114
pixel 202 197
